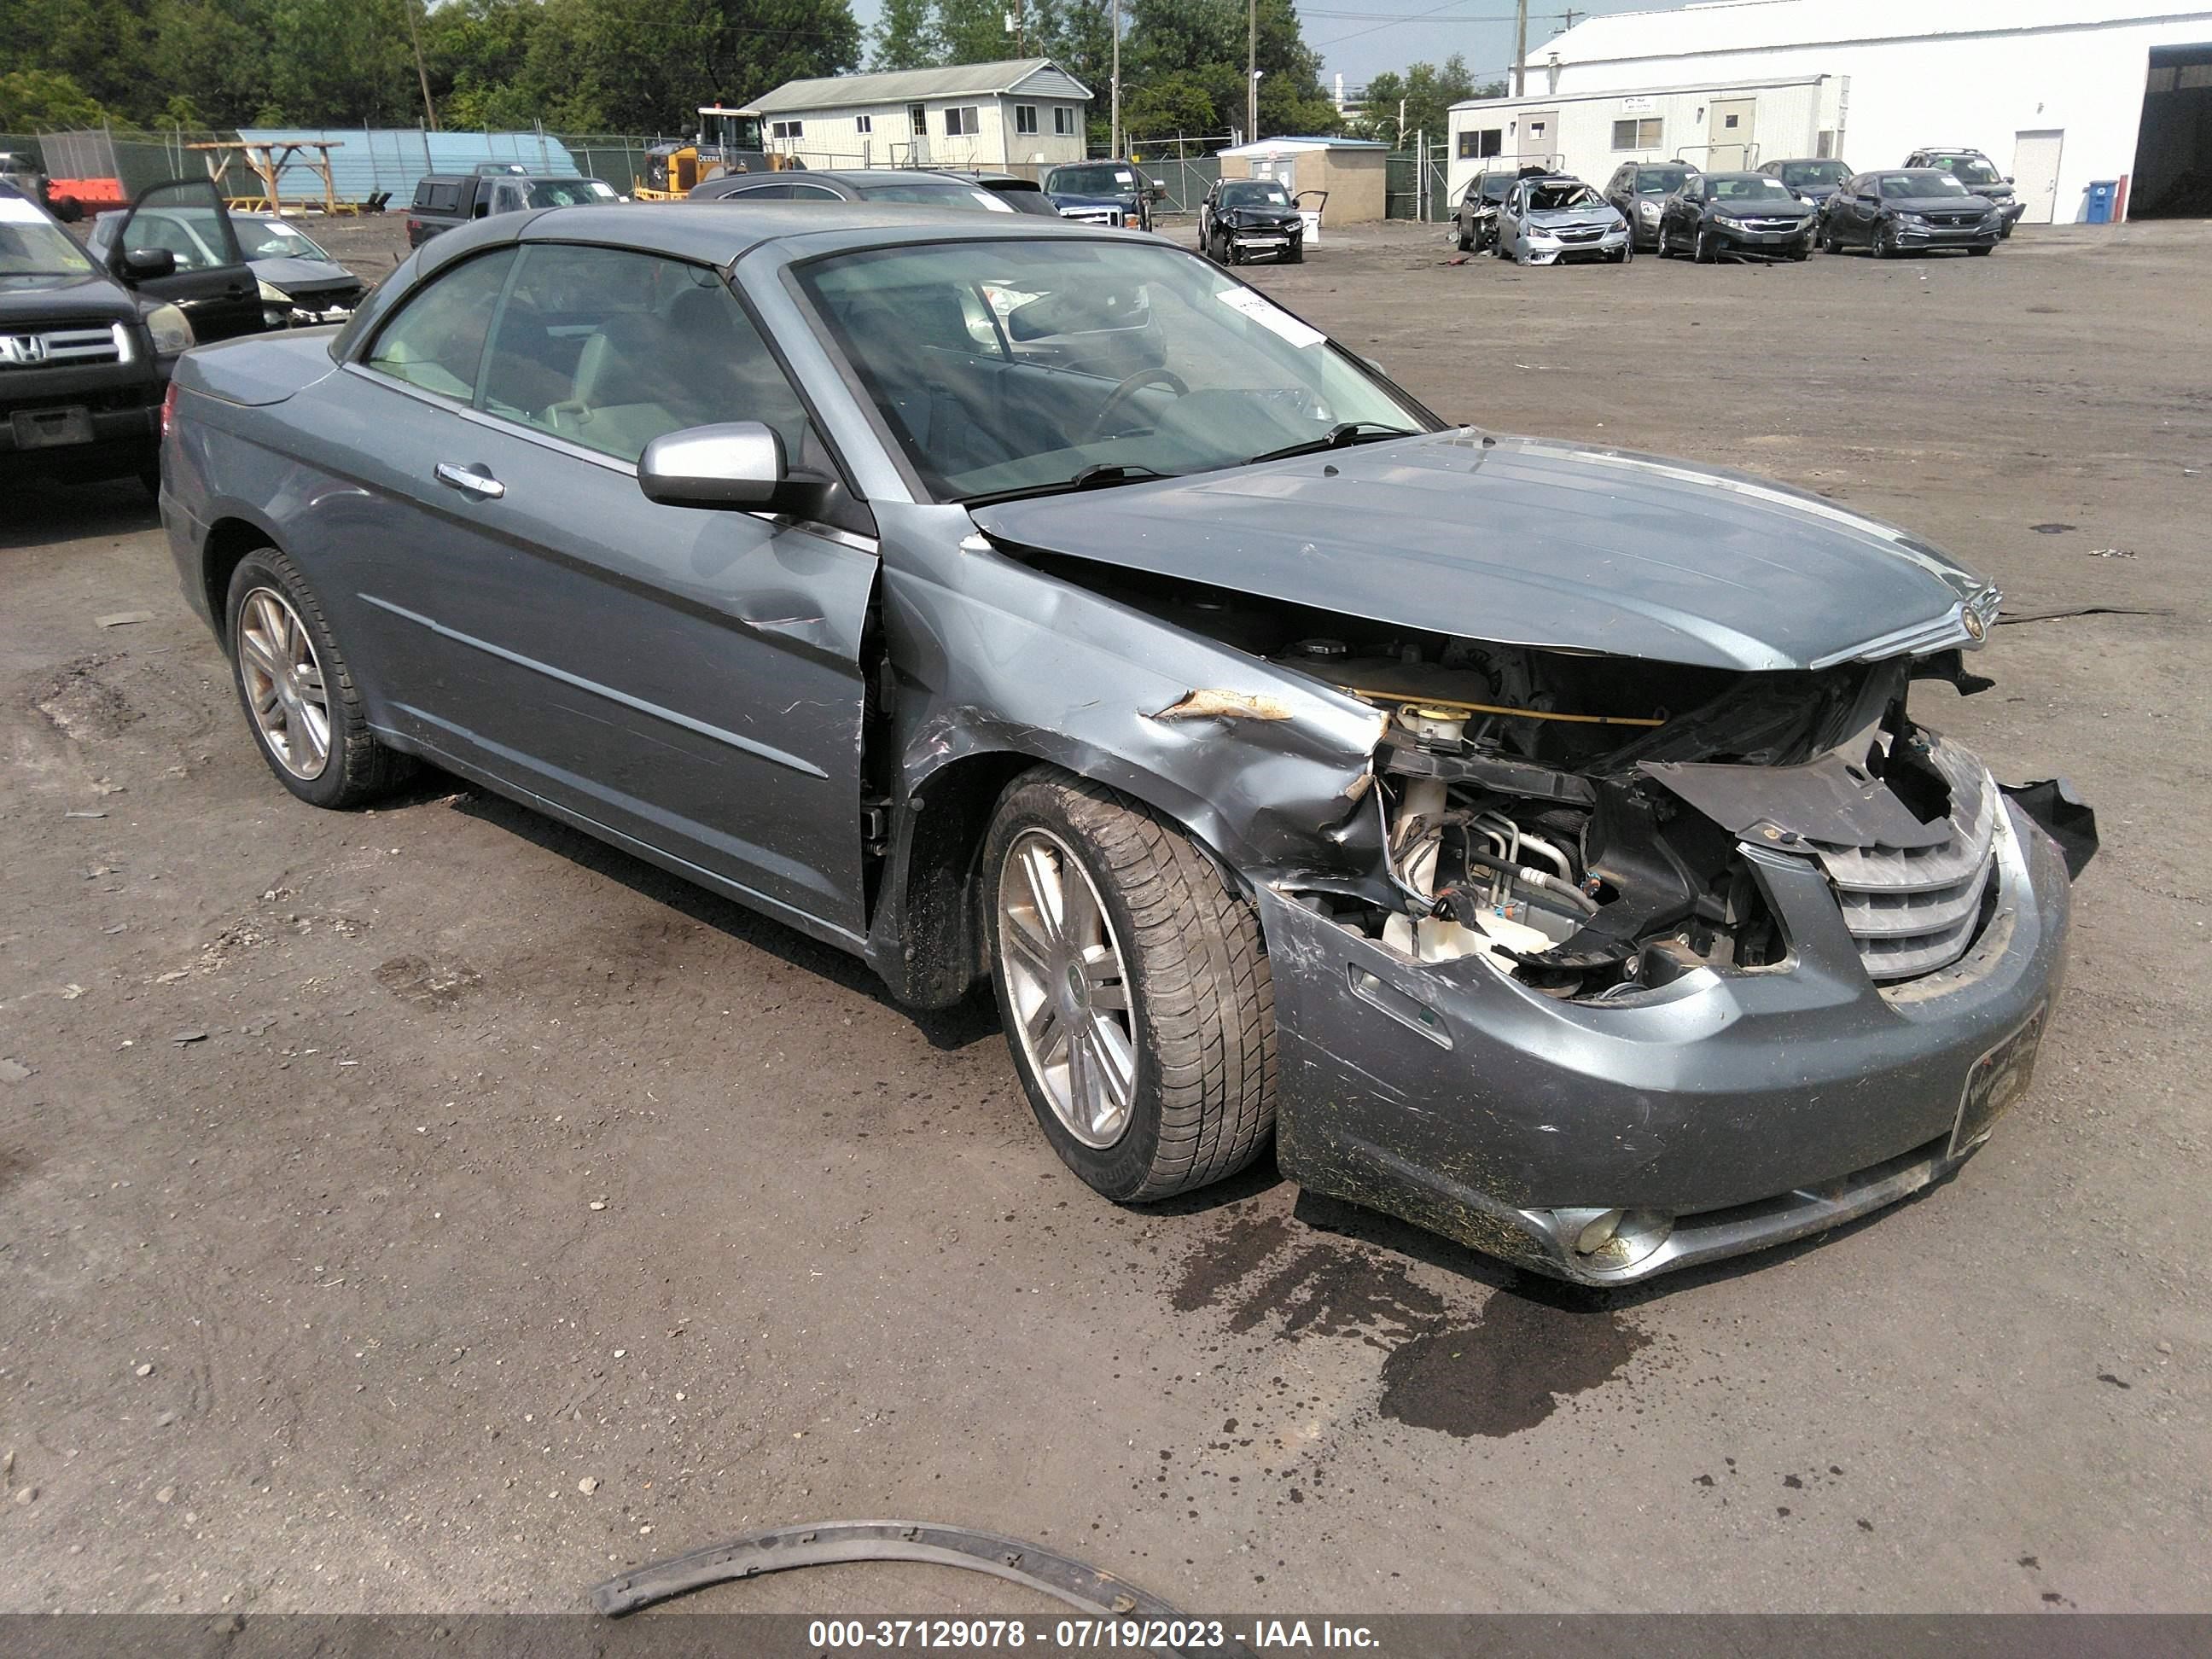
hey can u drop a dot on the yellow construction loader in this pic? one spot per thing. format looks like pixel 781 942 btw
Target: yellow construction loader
pixel 728 141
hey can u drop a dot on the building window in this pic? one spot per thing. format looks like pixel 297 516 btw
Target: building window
pixel 787 129
pixel 961 123
pixel 1063 120
pixel 863 124
pixel 1638 133
pixel 1480 143
pixel 1025 118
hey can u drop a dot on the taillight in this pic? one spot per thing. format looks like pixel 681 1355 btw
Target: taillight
pixel 168 410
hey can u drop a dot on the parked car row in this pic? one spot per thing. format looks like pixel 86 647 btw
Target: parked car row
pixel 1940 199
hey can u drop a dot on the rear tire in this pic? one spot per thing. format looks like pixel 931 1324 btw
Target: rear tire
pixel 1167 983
pixel 354 769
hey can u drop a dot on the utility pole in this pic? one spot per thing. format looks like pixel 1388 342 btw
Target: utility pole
pixel 1113 121
pixel 422 75
pixel 1520 48
pixel 1252 71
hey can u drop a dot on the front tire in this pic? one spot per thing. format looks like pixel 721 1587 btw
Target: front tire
pixel 1883 244
pixel 1702 250
pixel 1134 984
pixel 299 695
pixel 1465 240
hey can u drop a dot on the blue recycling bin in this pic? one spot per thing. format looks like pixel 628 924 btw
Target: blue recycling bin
pixel 2102 194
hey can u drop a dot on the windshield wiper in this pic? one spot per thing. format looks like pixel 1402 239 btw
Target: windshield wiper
pixel 1102 475
pixel 1337 437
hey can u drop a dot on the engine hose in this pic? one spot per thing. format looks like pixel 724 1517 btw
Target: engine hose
pixel 1541 881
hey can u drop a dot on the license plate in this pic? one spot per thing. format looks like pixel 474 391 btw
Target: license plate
pixel 1999 1078
pixel 51 428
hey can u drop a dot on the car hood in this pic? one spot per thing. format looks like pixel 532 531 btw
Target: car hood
pixel 1067 199
pixel 1603 218
pixel 62 296
pixel 290 274
pixel 1530 542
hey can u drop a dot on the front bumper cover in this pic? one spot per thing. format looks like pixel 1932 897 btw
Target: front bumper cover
pixel 1750 1107
pixel 1544 249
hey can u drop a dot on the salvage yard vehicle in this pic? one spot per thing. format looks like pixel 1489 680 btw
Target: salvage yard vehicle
pixel 1080 183
pixel 86 341
pixel 1243 219
pixel 1551 219
pixel 1638 189
pixel 1811 180
pixel 1977 173
pixel 301 285
pixel 443 201
pixel 910 186
pixel 1735 213
pixel 1894 213
pixel 1545 843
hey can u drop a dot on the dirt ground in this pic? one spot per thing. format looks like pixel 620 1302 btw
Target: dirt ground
pixel 372 1186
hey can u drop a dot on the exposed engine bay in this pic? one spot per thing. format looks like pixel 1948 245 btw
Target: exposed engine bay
pixel 1577 820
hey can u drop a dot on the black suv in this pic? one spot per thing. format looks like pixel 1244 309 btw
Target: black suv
pixel 1638 189
pixel 86 349
pixel 1977 173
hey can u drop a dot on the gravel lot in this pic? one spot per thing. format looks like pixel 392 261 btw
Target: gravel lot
pixel 379 1183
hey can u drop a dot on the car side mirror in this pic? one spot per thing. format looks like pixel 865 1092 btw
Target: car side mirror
pixel 2010 179
pixel 736 465
pixel 1159 191
pixel 147 265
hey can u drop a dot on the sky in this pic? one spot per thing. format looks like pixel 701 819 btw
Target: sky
pixel 1359 39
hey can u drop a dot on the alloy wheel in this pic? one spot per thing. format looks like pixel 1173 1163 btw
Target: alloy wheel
pixel 1067 984
pixel 283 682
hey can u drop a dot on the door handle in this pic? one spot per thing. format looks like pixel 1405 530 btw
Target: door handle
pixel 477 484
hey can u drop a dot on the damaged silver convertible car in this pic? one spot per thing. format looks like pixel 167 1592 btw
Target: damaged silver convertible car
pixel 1538 842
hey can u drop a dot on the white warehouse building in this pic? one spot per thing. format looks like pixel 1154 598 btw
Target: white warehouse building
pixel 2058 94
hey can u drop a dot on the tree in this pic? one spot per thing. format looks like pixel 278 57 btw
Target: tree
pixel 45 101
pixel 905 36
pixel 1427 93
pixel 1205 40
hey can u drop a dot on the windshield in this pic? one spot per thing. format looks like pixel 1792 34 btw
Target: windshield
pixel 1660 181
pixel 271 238
pixel 571 192
pixel 1032 366
pixel 1814 175
pixel 1255 192
pixel 1908 187
pixel 1549 197
pixel 31 244
pixel 1092 181
pixel 1970 169
pixel 1745 186
pixel 939 193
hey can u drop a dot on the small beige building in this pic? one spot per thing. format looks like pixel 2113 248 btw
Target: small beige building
pixel 1353 171
pixel 1023 114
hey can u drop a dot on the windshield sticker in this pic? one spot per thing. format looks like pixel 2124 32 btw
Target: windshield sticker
pixel 1270 316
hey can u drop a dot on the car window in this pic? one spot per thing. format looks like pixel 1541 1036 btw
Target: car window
pixel 32 244
pixel 567 192
pixel 611 349
pixel 1660 181
pixel 1048 392
pixel 436 341
pixel 272 239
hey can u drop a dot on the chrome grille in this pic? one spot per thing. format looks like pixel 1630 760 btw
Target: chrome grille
pixel 1092 216
pixel 1913 911
pixel 66 347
